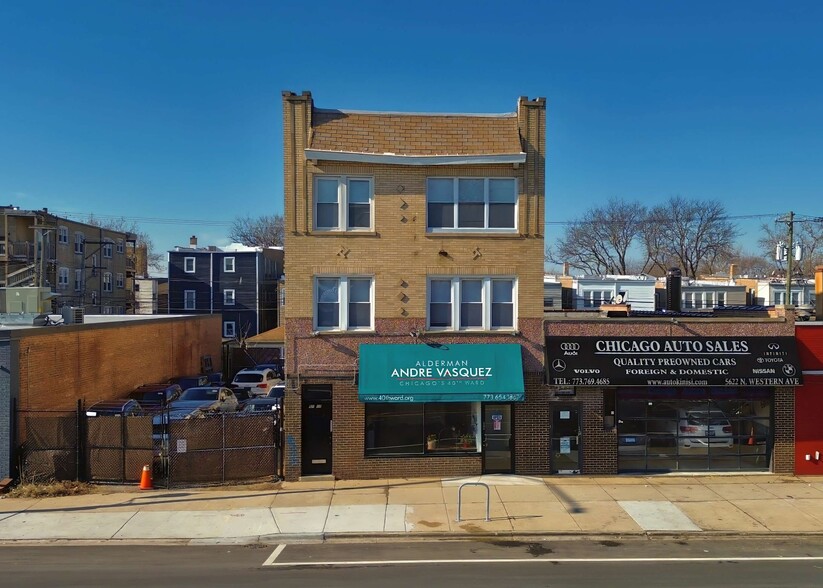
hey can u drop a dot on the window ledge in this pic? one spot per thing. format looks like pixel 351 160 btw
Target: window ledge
pixel 340 233
pixel 500 332
pixel 338 333
pixel 476 234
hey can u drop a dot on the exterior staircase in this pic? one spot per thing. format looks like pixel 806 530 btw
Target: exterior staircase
pixel 25 276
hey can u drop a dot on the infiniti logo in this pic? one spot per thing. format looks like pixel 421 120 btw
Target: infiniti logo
pixel 774 346
pixel 558 365
pixel 570 347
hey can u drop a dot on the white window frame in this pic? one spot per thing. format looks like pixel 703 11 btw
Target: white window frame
pixel 186 261
pixel 79 243
pixel 486 206
pixel 78 280
pixel 228 298
pixel 343 303
pixel 189 296
pixel 63 278
pixel 107 282
pixel 456 285
pixel 108 249
pixel 343 203
pixel 121 248
pixel 63 235
pixel 120 280
pixel 721 299
pixel 228 265
pixel 595 297
pixel 229 329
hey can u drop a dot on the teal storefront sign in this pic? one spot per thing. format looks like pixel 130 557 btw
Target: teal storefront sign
pixel 441 373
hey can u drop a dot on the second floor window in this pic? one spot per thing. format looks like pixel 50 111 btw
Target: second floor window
pixel 188 265
pixel 78 280
pixel 108 249
pixel 343 303
pixel 471 303
pixel 594 298
pixel 342 203
pixel 228 329
pixel 63 278
pixel 228 264
pixel 79 243
pixel 189 300
pixel 107 283
pixel 63 235
pixel 228 297
pixel 487 204
pixel 120 281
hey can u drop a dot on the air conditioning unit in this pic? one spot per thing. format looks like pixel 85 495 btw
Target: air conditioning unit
pixel 72 315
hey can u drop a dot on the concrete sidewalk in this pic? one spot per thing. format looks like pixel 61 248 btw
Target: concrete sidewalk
pixel 519 506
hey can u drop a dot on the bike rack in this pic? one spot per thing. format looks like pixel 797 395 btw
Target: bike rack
pixel 488 497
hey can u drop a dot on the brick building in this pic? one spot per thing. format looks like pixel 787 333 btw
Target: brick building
pixel 415 242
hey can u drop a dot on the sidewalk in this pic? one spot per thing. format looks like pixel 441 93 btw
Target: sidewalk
pixel 519 506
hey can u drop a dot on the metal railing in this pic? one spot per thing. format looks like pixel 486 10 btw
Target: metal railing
pixel 488 498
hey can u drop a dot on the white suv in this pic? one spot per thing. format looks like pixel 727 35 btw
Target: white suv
pixel 257 382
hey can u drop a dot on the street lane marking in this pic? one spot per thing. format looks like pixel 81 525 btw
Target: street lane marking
pixel 308 564
pixel 278 550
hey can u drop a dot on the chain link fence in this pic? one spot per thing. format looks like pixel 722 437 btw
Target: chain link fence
pixel 49 445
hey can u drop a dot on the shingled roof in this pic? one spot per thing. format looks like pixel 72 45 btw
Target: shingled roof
pixel 407 135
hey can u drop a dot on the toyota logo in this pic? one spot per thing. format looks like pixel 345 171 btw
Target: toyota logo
pixel 788 369
pixel 558 365
pixel 570 347
pixel 774 346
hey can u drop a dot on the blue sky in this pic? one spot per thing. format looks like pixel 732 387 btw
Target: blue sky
pixel 169 112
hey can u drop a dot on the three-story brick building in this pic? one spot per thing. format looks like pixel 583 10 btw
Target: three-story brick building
pixel 414 340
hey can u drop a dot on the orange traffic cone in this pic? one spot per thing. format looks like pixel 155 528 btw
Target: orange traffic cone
pixel 751 436
pixel 145 479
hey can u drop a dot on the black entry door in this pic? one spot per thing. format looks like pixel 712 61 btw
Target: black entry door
pixel 565 438
pixel 497 439
pixel 317 433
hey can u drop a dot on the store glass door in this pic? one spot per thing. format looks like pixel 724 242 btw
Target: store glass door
pixel 565 439
pixel 497 439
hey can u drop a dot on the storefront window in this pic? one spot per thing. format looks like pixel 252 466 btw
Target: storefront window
pixel 694 429
pixel 431 428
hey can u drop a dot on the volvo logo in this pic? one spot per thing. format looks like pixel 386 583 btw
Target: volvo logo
pixel 788 369
pixel 570 347
pixel 558 365
pixel 774 346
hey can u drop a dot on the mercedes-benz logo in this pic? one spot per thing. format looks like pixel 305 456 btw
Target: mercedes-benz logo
pixel 558 365
pixel 774 346
pixel 789 369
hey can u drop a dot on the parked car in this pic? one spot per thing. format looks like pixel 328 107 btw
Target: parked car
pixel 278 391
pixel 187 382
pixel 258 405
pixel 154 397
pixel 704 428
pixel 257 382
pixel 199 401
pixel 116 407
pixel 242 395
pixel 277 368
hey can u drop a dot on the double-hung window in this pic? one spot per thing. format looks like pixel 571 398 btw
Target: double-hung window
pixel 63 235
pixel 228 329
pixel 108 249
pixel 471 204
pixel 189 300
pixel 79 243
pixel 188 265
pixel 342 203
pixel 107 282
pixel 343 303
pixel 594 298
pixel 119 280
pixel 120 246
pixel 228 265
pixel 228 297
pixel 78 280
pixel 479 303
pixel 63 278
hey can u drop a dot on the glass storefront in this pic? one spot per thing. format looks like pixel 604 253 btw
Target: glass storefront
pixel 694 429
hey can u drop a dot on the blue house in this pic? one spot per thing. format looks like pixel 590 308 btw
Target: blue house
pixel 241 283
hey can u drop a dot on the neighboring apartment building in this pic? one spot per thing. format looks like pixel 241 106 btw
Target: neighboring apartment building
pixel 86 265
pixel 415 272
pixel 151 295
pixel 241 283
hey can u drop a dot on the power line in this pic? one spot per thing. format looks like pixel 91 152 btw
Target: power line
pixel 143 219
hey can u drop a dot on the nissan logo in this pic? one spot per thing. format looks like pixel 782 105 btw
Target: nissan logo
pixel 570 347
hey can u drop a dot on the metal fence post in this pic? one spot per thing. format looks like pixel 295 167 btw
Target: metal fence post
pixel 488 497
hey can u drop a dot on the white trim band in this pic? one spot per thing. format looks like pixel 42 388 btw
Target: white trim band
pixel 392 158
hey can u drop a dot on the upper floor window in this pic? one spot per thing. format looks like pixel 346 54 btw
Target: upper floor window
pixel 107 283
pixel 78 280
pixel 342 203
pixel 108 249
pixel 120 246
pixel 188 265
pixel 228 264
pixel 594 298
pixel 119 280
pixel 228 297
pixel 343 303
pixel 63 278
pixel 63 235
pixel 79 242
pixel 471 303
pixel 471 204
pixel 189 300
pixel 228 329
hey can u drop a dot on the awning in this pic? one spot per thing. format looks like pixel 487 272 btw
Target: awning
pixel 441 373
pixel 672 361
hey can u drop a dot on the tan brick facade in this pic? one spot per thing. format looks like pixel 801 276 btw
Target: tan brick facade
pixel 401 255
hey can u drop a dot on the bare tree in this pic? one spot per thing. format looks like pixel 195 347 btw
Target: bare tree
pixel 689 234
pixel 154 259
pixel 263 231
pixel 600 241
pixel 808 233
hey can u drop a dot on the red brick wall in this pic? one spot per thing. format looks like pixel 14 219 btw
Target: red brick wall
pixel 96 362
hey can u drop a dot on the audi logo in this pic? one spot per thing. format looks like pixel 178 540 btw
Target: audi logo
pixel 570 347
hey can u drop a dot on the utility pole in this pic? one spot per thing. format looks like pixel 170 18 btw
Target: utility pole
pixel 789 258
